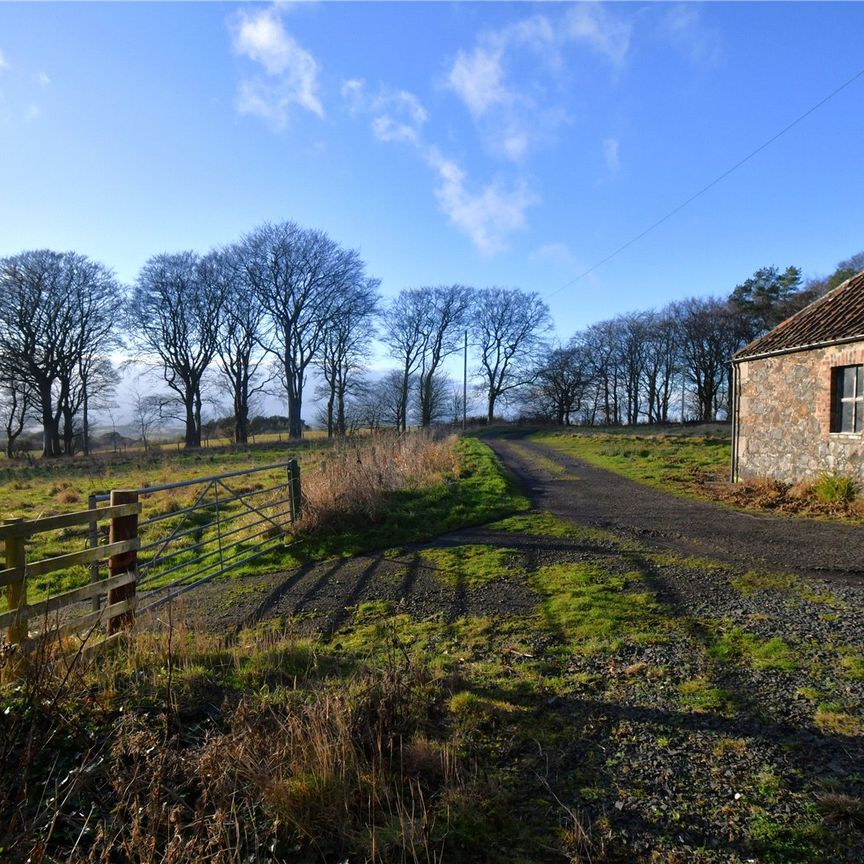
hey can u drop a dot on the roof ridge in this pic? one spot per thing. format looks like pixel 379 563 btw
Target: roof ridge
pixel 815 324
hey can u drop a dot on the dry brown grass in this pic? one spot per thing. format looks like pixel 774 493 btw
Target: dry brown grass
pixel 799 498
pixel 355 477
pixel 175 751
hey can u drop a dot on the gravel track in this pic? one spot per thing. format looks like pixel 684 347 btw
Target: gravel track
pixel 596 497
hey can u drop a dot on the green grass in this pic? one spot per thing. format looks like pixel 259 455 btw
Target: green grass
pixel 699 694
pixel 665 461
pixel 480 492
pixel 470 566
pixel 590 610
pixel 737 645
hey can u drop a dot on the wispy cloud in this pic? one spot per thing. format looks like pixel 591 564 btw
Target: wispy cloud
pixel 599 28
pixel 42 79
pixel 290 71
pixel 487 215
pixel 557 253
pixel 610 155
pixel 513 110
pixel 4 63
pixel 397 115
pixel 684 28
pixel 478 78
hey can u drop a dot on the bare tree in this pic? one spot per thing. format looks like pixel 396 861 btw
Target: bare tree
pixel 601 342
pixel 175 314
pixel 17 399
pixel 299 277
pixel 559 385
pixel 507 326
pixel 241 341
pixel 710 334
pixel 345 347
pixel 405 335
pixel 146 412
pixel 661 362
pixel 446 310
pixel 55 308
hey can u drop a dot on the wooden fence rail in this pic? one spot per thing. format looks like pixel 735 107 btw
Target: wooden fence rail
pixel 120 552
pixel 176 555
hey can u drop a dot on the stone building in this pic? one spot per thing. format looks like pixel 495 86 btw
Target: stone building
pixel 798 393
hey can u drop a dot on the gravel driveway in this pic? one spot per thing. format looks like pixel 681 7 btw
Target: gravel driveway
pixel 595 497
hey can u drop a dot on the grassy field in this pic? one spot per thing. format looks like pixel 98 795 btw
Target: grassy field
pixel 466 490
pixel 695 462
pixel 675 460
pixel 599 721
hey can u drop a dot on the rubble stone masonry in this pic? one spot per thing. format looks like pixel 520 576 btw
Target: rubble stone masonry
pixel 784 417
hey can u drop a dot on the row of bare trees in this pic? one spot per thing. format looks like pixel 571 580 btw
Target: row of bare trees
pixel 642 367
pixel 653 366
pixel 264 313
pixel 259 314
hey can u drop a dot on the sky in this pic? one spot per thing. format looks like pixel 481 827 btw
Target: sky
pixel 511 144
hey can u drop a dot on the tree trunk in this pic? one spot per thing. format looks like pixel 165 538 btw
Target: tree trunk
pixel 85 421
pixel 193 432
pixel 490 406
pixel 50 424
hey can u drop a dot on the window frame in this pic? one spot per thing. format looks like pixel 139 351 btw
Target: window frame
pixel 838 400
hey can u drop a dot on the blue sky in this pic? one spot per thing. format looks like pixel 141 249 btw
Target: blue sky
pixel 488 144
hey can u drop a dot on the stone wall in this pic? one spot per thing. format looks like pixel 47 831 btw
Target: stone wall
pixel 784 417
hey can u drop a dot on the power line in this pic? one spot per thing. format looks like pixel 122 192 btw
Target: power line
pixel 710 185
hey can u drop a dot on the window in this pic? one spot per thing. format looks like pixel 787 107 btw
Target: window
pixel 847 399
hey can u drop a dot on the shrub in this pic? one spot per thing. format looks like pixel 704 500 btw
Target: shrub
pixel 836 489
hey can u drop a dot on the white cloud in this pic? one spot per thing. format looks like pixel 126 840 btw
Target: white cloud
pixel 43 79
pixel 354 93
pixel 513 108
pixel 478 79
pixel 488 216
pixel 684 29
pixel 397 115
pixel 4 64
pixel 291 72
pixel 602 30
pixel 610 155
pixel 557 253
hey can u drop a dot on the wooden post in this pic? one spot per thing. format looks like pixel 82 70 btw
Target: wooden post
pixel 295 490
pixel 122 528
pixel 16 591
pixel 92 543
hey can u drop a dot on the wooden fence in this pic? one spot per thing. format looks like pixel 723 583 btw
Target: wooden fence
pixel 48 615
pixel 198 543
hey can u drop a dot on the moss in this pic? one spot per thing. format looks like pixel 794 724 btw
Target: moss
pixel 471 566
pixel 589 610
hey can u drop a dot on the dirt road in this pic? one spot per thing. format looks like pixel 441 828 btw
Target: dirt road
pixel 574 490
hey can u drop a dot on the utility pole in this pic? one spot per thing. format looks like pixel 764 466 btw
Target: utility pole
pixel 465 383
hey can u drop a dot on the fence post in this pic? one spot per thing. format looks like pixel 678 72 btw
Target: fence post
pixel 93 542
pixel 123 528
pixel 16 594
pixel 295 496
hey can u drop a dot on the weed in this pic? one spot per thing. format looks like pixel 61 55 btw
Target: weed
pixel 835 488
pixel 699 694
pixel 754 580
pixel 832 720
pixel 471 566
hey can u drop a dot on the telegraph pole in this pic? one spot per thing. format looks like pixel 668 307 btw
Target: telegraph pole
pixel 465 383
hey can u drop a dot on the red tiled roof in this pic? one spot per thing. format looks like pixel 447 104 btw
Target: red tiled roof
pixel 836 317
